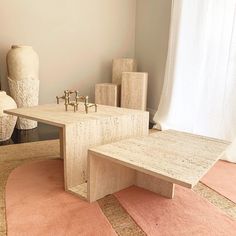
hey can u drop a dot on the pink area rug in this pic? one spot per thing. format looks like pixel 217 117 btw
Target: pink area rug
pixel 186 215
pixel 37 205
pixel 222 178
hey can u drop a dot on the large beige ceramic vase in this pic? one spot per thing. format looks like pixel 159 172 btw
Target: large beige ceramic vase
pixel 23 79
pixel 7 122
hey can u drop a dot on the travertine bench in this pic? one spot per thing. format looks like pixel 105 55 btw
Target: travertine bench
pixel 155 162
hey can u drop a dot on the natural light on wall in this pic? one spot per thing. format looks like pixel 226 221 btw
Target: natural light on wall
pixel 199 93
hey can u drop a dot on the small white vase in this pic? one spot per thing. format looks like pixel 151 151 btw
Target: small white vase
pixel 23 80
pixel 7 122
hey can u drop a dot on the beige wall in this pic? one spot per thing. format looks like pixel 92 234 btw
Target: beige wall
pixel 152 34
pixel 76 40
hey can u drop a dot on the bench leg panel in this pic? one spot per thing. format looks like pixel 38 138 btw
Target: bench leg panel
pixel 161 187
pixel 106 177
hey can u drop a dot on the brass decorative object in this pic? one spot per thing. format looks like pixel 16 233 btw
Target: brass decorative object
pixel 77 99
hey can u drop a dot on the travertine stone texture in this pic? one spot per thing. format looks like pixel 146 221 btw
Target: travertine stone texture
pixel 107 94
pixel 25 92
pixel 122 65
pixel 80 131
pixel 23 79
pixel 107 176
pixel 134 90
pixel 7 122
pixel 173 156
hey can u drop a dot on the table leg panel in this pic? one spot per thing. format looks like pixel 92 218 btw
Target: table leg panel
pixel 106 177
pixel 162 187
pixel 79 137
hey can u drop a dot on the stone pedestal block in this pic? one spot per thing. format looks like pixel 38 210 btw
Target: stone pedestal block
pixel 107 94
pixel 134 90
pixel 122 65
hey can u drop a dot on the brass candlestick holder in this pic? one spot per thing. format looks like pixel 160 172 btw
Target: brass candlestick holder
pixel 75 103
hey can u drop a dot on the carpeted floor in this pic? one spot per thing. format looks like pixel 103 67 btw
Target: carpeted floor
pixel 222 179
pixel 36 204
pixel 15 155
pixel 186 214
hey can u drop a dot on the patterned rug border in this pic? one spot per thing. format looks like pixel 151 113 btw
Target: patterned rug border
pixel 124 224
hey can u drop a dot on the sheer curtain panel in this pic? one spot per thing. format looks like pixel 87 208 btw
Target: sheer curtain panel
pixel 199 93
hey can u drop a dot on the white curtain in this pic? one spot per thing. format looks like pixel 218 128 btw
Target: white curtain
pixel 199 93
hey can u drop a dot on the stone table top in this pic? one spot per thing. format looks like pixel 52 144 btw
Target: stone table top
pixel 170 155
pixel 55 114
